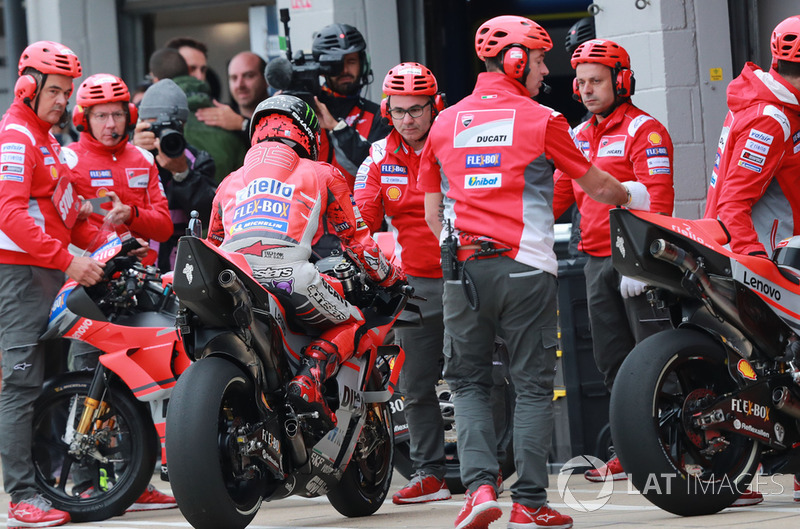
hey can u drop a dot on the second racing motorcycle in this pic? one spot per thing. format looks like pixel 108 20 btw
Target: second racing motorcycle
pixel 695 409
pixel 233 441
pixel 98 434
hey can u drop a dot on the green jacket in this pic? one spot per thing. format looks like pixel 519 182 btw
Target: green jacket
pixel 226 147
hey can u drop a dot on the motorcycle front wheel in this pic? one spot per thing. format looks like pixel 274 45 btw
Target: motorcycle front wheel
pixel 210 400
pixel 117 457
pixel 365 483
pixel 659 385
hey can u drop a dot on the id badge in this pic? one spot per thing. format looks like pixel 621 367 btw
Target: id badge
pixel 65 199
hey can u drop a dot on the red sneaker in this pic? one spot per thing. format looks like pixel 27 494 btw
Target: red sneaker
pixel 611 470
pixel 422 489
pixel 36 511
pixel 749 497
pixel 479 510
pixel 796 494
pixel 545 516
pixel 152 500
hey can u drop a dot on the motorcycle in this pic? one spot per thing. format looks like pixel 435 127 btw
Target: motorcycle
pixel 233 441
pixel 719 394
pixel 96 434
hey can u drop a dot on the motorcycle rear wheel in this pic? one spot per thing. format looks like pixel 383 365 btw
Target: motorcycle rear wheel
pixel 125 436
pixel 210 397
pixel 366 481
pixel 655 384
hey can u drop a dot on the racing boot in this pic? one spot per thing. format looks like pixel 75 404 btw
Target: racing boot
pixel 305 393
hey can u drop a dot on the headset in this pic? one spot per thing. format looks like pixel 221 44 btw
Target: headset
pixel 25 88
pixel 624 83
pixel 515 62
pixel 79 117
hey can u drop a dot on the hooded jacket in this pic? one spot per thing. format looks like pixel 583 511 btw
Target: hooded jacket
pixel 755 182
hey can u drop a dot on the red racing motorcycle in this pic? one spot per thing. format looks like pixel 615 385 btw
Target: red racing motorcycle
pixel 233 440
pixel 720 393
pixel 98 434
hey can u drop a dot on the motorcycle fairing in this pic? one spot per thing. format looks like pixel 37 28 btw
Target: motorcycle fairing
pixel 777 291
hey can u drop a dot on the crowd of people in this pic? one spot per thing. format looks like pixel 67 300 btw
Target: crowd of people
pixel 471 191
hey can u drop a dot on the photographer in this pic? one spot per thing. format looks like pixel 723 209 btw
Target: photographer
pixel 186 173
pixel 351 122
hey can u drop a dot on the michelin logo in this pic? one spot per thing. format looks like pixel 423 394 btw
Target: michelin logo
pixel 483 181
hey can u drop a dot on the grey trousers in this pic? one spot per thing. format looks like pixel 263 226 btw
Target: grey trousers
pixel 518 303
pixel 617 324
pixel 421 371
pixel 26 294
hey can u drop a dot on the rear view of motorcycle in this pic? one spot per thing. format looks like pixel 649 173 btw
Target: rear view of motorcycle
pixel 233 440
pixel 720 393
pixel 96 433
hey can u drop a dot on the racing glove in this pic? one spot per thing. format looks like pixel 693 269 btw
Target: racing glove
pixel 630 288
pixel 638 196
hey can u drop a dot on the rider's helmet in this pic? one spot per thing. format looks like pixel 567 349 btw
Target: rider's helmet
pixel 411 79
pixel 287 119
pixel 338 40
pixel 580 32
pixel 98 89
pixel 787 255
pixel 50 57
pixel 785 41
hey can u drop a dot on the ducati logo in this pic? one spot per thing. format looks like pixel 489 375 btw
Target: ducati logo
pixel 467 119
pixel 188 272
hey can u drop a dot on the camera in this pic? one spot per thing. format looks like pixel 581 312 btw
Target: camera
pixel 168 132
pixel 306 72
pixel 298 74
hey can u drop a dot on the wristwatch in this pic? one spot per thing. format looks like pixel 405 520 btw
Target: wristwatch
pixel 245 124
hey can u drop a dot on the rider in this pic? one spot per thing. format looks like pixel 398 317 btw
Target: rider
pixel 385 185
pixel 269 210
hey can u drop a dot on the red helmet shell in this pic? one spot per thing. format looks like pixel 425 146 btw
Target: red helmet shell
pixel 500 32
pixel 785 41
pixel 601 51
pixel 410 78
pixel 102 88
pixel 51 58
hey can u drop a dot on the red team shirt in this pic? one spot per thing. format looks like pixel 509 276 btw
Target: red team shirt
pixel 386 185
pixel 632 146
pixel 32 231
pixel 132 174
pixel 490 155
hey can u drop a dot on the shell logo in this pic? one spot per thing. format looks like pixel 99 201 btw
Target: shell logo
pixel 393 193
pixel 53 172
pixel 654 138
pixel 745 369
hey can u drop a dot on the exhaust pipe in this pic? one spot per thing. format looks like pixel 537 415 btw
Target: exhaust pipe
pixel 783 400
pixel 297 446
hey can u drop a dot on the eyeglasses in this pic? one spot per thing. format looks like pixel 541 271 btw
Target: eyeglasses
pixel 101 117
pixel 415 111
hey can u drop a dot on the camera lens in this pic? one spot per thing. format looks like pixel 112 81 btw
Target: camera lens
pixel 172 143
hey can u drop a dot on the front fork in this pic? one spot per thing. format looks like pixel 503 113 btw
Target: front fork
pixel 94 408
